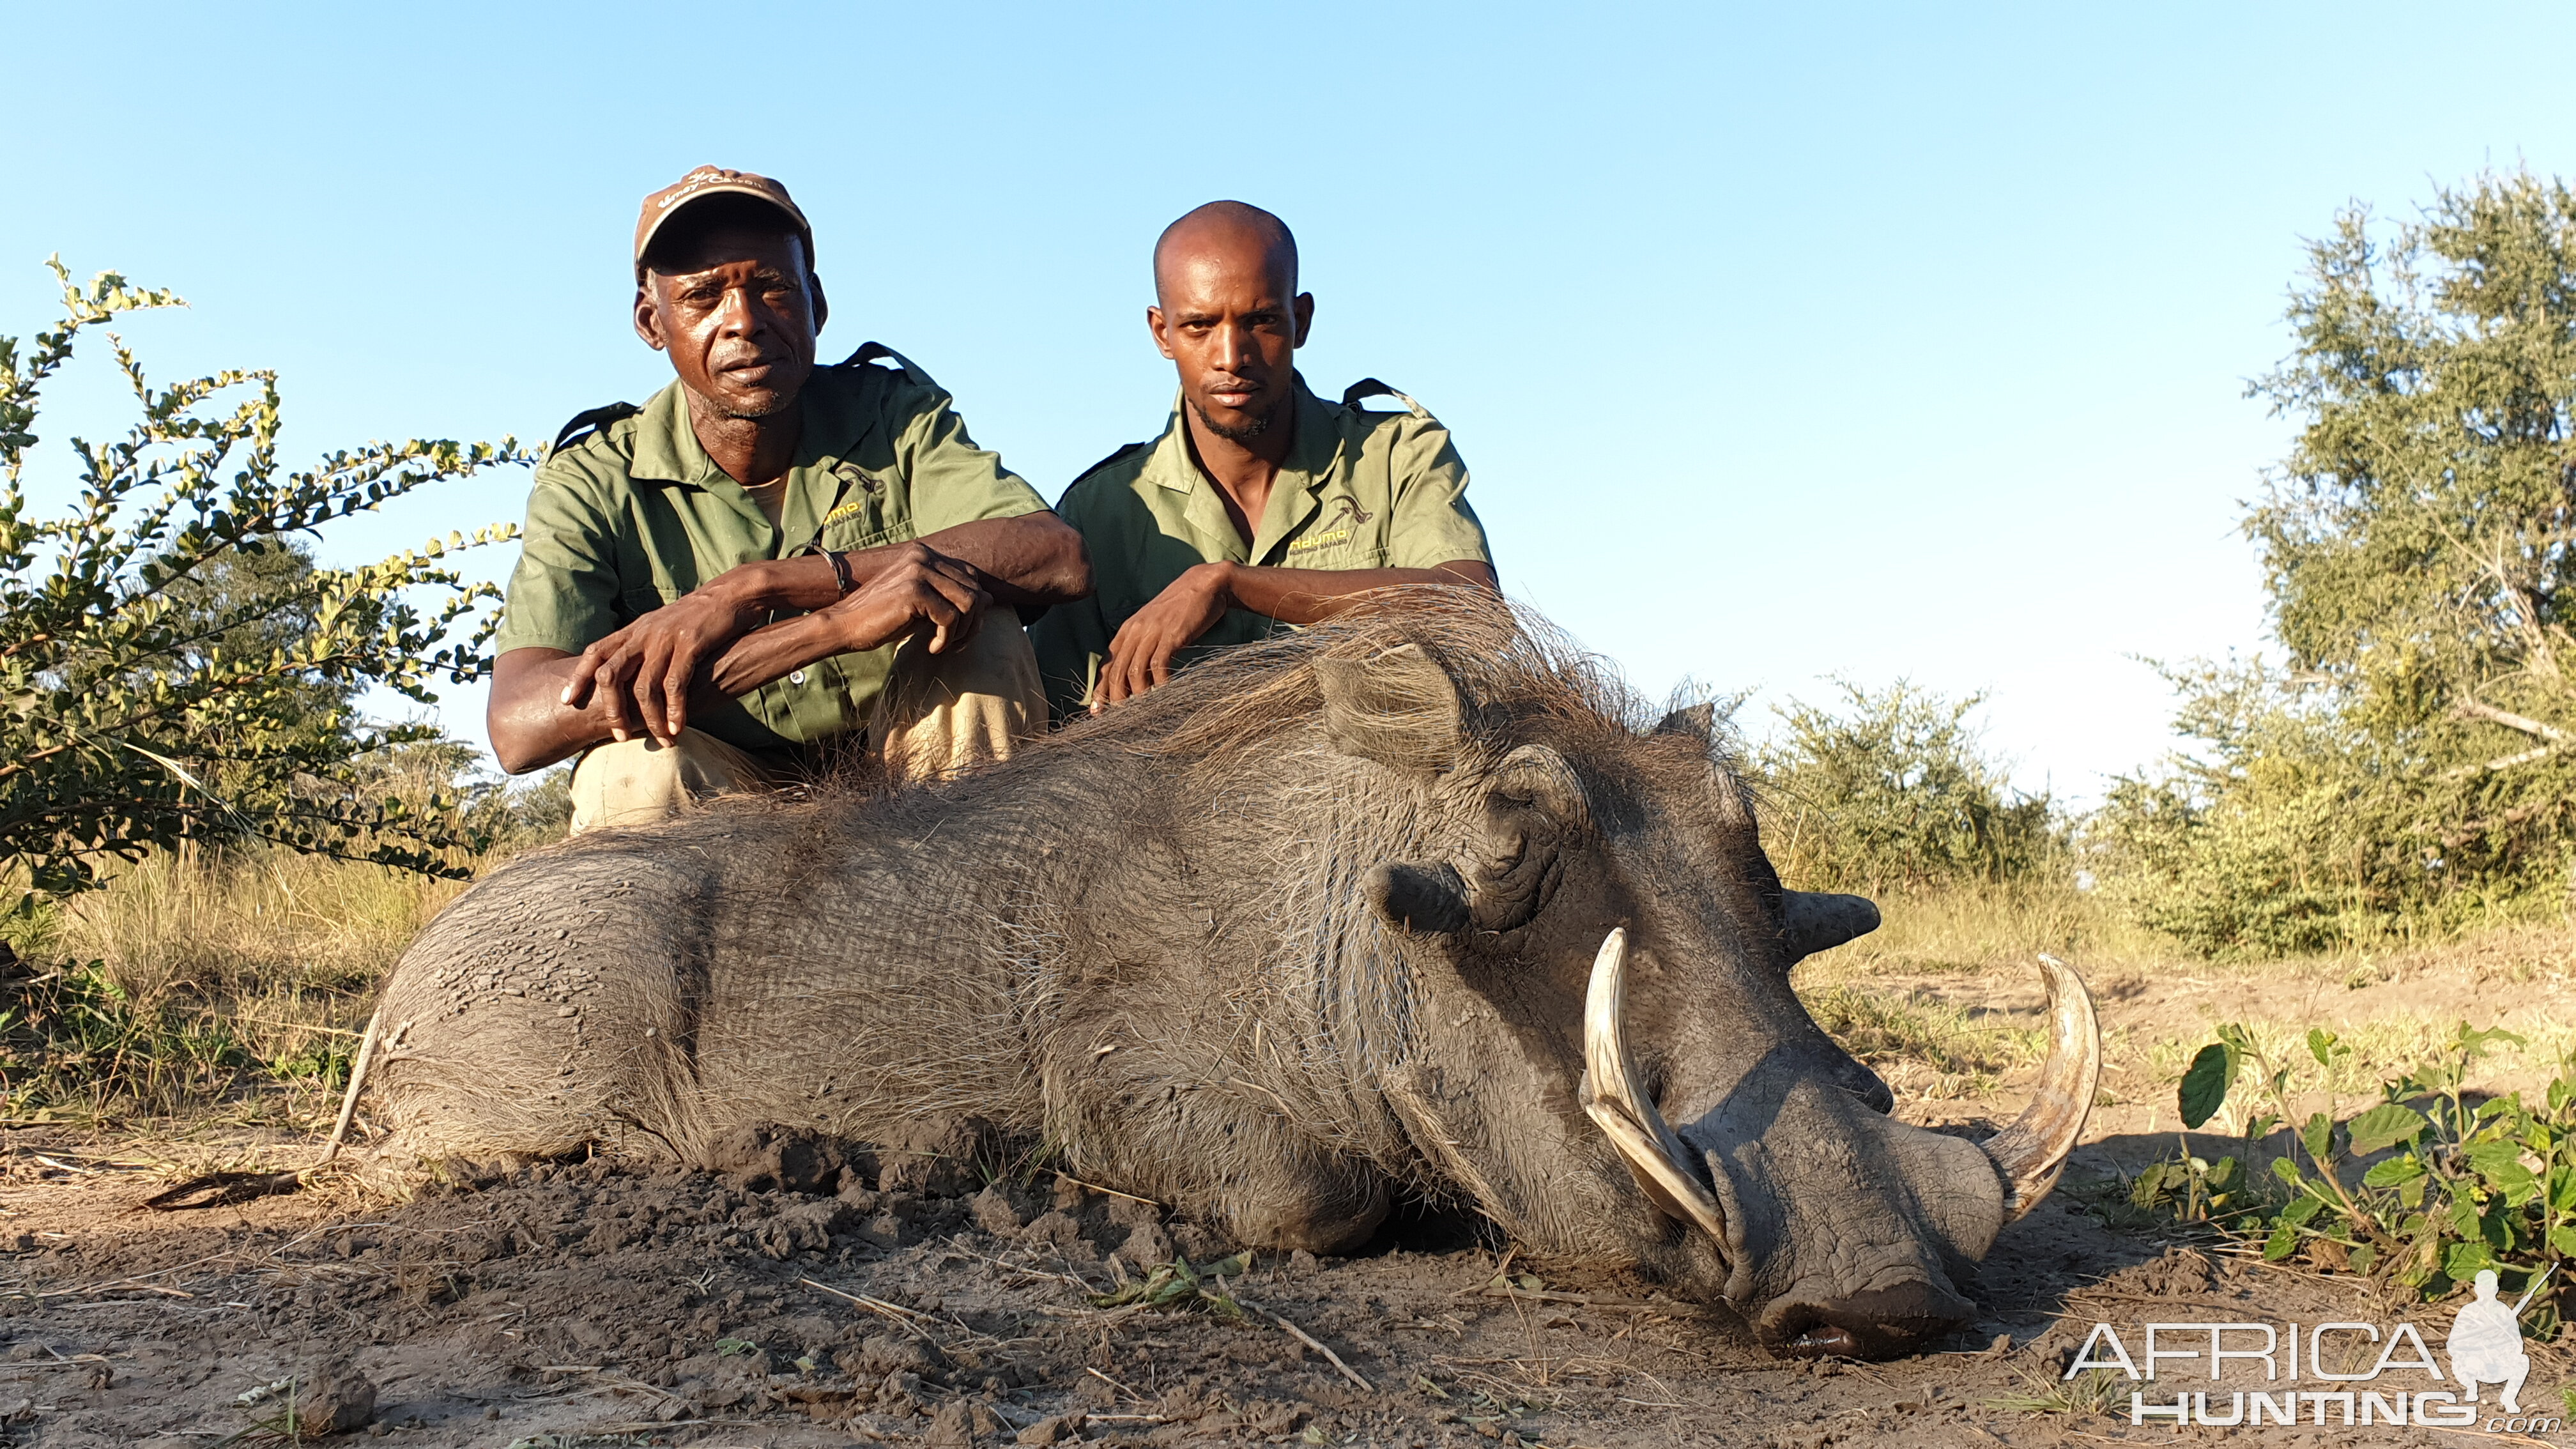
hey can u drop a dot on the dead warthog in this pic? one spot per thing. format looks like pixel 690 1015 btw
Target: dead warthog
pixel 1408 904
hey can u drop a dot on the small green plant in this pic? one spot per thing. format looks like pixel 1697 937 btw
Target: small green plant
pixel 1177 1287
pixel 2465 1183
pixel 2196 1190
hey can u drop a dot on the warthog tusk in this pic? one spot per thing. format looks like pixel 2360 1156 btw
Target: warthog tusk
pixel 1617 1102
pixel 2033 1150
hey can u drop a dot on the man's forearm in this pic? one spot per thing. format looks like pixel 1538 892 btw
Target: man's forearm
pixel 774 652
pixel 1035 559
pixel 530 725
pixel 1307 596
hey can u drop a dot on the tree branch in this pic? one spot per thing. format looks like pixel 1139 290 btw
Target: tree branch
pixel 2504 762
pixel 2474 708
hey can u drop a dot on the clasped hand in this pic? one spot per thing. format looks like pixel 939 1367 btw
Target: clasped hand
pixel 716 643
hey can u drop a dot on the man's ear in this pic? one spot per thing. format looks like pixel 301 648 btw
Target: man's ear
pixel 1400 709
pixel 1154 326
pixel 648 316
pixel 1304 309
pixel 822 304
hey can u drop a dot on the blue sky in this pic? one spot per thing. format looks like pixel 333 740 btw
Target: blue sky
pixel 1783 342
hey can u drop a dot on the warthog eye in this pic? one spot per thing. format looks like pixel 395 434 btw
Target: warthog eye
pixel 1534 809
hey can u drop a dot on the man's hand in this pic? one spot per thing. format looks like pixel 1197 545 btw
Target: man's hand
pixel 642 675
pixel 1140 658
pixel 916 590
pixel 640 678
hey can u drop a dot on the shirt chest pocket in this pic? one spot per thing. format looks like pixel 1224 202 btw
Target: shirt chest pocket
pixel 1344 547
pixel 637 600
pixel 866 514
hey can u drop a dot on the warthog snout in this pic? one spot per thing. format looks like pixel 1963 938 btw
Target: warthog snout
pixel 1842 1231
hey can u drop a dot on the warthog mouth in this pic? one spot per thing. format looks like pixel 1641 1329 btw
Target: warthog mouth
pixel 1879 1323
pixel 2027 1156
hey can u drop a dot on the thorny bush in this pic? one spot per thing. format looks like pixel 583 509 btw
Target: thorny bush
pixel 131 714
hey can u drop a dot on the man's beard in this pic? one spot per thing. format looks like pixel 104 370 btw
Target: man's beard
pixel 1243 434
pixel 778 403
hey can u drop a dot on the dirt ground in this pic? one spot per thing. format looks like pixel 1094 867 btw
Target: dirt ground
pixel 592 1305
pixel 589 1305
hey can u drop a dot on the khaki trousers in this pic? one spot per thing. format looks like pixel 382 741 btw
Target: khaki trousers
pixel 939 714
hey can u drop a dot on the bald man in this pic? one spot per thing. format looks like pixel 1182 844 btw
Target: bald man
pixel 1261 505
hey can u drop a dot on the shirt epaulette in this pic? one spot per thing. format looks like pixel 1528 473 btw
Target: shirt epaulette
pixel 1129 451
pixel 583 422
pixel 1369 387
pixel 871 352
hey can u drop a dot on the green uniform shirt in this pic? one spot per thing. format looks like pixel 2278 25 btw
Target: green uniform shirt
pixel 1359 490
pixel 636 515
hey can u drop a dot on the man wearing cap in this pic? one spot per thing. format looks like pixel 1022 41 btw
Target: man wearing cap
pixel 769 564
pixel 1261 505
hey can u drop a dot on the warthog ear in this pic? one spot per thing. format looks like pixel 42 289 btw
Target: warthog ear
pixel 1699 722
pixel 1816 922
pixel 1429 899
pixel 1399 709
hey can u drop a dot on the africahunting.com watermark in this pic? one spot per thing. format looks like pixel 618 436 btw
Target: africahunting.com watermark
pixel 2368 1373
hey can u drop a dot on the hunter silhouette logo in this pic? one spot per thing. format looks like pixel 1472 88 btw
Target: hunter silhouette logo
pixel 2486 1342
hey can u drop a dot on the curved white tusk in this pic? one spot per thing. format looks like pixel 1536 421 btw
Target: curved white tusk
pixel 1617 1102
pixel 2033 1150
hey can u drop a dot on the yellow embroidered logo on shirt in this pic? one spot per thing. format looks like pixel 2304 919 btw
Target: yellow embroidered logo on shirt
pixel 846 510
pixel 1319 540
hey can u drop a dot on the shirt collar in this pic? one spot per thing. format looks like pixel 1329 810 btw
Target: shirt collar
pixel 1311 457
pixel 836 421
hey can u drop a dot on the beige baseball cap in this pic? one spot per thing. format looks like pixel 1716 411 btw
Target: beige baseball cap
pixel 708 181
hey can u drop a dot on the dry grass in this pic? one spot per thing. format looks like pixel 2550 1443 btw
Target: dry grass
pixel 281 954
pixel 1978 929
pixel 1943 1002
pixel 259 965
pixel 249 925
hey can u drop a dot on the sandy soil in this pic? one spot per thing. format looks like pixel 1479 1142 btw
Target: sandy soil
pixel 583 1304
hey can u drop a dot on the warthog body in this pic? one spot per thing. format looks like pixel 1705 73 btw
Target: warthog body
pixel 1308 930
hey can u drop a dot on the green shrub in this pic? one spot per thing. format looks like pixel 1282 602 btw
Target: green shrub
pixel 1891 790
pixel 173 667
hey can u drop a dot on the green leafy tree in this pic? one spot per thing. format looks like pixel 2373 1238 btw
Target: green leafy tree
pixel 1893 789
pixel 173 667
pixel 2416 758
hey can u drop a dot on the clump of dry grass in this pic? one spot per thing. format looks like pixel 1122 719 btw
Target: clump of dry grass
pixel 1979 928
pixel 1924 1047
pixel 198 973
pixel 250 924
